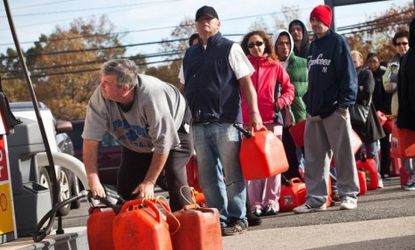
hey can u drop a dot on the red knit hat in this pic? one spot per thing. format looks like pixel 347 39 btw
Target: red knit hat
pixel 322 13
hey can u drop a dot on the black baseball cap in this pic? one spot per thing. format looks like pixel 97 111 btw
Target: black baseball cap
pixel 206 11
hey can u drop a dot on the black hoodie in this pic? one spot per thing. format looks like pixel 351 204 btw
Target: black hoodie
pixel 406 84
pixel 305 44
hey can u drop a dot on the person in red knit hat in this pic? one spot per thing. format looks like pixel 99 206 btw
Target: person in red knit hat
pixel 323 14
pixel 332 89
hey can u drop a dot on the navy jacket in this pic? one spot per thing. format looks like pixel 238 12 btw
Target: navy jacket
pixel 332 80
pixel 211 88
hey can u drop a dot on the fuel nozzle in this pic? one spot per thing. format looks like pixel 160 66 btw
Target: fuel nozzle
pixel 244 131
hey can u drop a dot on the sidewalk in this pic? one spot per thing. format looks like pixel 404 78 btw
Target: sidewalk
pixel 396 233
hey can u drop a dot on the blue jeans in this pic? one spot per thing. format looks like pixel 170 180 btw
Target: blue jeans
pixel 217 150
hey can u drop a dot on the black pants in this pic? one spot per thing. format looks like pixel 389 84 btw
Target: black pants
pixel 134 167
pixel 385 159
pixel 290 151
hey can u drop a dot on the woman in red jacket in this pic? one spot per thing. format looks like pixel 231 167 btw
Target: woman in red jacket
pixel 275 92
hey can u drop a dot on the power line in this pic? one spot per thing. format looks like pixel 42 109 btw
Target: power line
pixel 42 4
pixel 94 49
pixel 88 9
pixel 83 70
pixel 373 22
pixel 143 56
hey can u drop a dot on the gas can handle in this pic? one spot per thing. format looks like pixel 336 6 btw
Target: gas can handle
pixel 127 205
pixel 295 180
pixel 263 128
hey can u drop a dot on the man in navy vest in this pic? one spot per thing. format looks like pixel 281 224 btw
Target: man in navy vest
pixel 215 72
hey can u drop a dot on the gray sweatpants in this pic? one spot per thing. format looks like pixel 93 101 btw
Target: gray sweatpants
pixel 323 139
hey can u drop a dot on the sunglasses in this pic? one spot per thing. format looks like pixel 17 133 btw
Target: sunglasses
pixel 257 43
pixel 403 43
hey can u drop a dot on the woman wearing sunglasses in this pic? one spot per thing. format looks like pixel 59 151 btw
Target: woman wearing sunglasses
pixel 269 80
pixel 390 78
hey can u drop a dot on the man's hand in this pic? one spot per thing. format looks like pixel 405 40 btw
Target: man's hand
pixel 145 190
pixel 90 154
pixel 342 111
pixel 96 187
pixel 256 121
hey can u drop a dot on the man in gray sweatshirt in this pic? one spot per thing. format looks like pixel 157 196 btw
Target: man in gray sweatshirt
pixel 151 120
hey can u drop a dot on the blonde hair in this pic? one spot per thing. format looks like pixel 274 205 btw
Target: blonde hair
pixel 357 53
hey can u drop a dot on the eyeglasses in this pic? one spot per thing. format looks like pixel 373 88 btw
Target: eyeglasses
pixel 257 43
pixel 402 43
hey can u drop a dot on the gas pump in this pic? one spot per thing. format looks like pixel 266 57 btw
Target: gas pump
pixel 8 230
pixel 8 224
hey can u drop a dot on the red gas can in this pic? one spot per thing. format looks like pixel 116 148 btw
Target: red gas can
pixel 388 125
pixel 193 173
pixel 396 166
pixel 381 117
pixel 199 198
pixel 99 228
pixel 297 133
pixel 362 182
pixel 140 225
pixel 293 195
pixel 329 193
pixel 262 155
pixel 402 142
pixel 199 229
pixel 372 178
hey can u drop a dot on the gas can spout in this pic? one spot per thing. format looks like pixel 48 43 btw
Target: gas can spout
pixel 244 131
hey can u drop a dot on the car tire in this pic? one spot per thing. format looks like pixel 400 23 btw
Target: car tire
pixel 75 191
pixel 65 187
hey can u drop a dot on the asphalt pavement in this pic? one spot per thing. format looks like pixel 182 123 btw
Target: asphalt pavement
pixel 384 219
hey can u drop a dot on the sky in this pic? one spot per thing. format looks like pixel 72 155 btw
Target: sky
pixel 152 20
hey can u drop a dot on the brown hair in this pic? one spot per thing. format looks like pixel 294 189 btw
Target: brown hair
pixel 399 34
pixel 269 49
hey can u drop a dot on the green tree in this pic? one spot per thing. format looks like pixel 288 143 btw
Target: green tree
pixel 176 44
pixel 168 73
pixel 65 65
pixel 376 35
pixel 180 34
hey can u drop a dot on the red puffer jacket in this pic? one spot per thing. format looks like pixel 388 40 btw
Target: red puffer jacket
pixel 267 74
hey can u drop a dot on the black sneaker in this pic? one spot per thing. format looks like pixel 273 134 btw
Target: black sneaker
pixel 335 196
pixel 237 227
pixel 269 210
pixel 253 220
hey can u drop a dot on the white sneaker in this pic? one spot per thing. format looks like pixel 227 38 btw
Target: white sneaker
pixel 409 186
pixel 305 208
pixel 348 204
pixel 380 183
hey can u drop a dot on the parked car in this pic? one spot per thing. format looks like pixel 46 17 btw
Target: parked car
pixel 109 155
pixel 61 142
